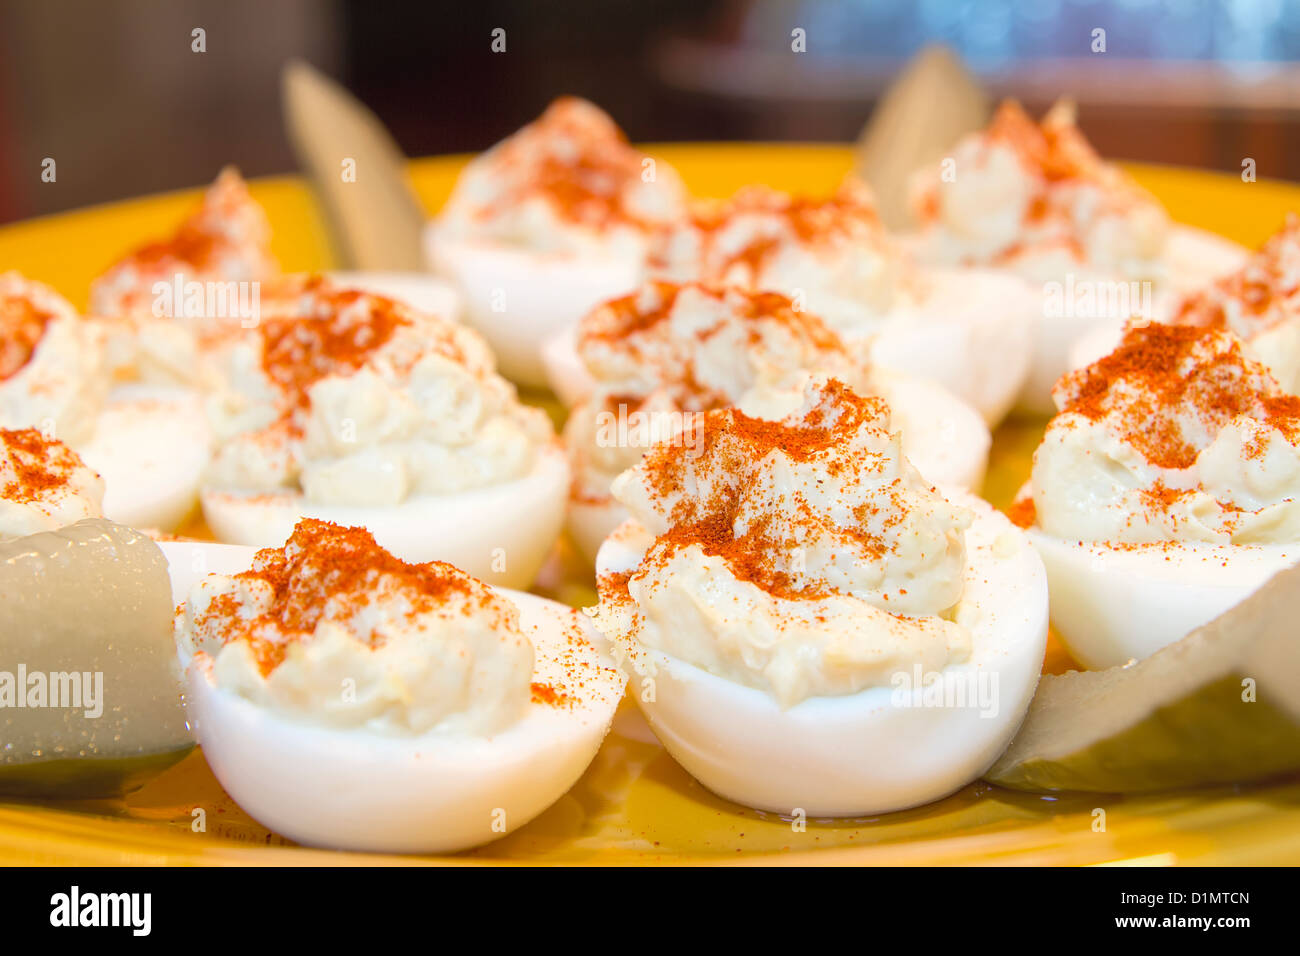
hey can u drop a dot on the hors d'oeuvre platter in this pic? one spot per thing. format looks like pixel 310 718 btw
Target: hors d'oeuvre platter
pixel 681 512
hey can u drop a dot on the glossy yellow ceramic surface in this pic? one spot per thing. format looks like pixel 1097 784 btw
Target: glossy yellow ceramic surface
pixel 635 805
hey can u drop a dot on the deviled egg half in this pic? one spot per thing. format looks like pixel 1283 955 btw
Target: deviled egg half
pixel 1035 200
pixel 1164 491
pixel 347 699
pixel 669 351
pixel 808 625
pixel 150 443
pixel 162 303
pixel 171 302
pixel 354 408
pixel 832 257
pixel 545 225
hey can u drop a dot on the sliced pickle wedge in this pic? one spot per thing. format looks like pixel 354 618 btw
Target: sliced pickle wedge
pixel 90 686
pixel 1222 705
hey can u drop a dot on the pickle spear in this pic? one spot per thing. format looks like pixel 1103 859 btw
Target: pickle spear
pixel 90 687
pixel 1222 705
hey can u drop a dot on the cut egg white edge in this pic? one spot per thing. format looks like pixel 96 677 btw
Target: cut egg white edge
pixel 948 444
pixel 518 299
pixel 421 291
pixel 878 750
pixel 150 445
pixel 350 789
pixel 971 332
pixel 1115 604
pixel 501 534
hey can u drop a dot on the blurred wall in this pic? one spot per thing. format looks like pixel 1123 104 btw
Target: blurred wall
pixel 113 92
pixel 115 95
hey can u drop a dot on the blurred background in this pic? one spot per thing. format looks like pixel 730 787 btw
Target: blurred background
pixel 113 92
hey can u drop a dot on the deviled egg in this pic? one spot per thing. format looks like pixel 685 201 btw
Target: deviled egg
pixel 667 352
pixel 1035 200
pixel 347 699
pixel 354 408
pixel 547 224
pixel 1164 491
pixel 150 443
pixel 810 627
pixel 832 257
pixel 161 302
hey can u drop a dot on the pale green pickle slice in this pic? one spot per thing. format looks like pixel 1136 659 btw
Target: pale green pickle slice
pixel 90 604
pixel 1222 705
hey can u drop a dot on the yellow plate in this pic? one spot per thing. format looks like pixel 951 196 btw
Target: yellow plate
pixel 635 805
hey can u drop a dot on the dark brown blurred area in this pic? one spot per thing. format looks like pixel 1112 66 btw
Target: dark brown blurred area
pixel 114 93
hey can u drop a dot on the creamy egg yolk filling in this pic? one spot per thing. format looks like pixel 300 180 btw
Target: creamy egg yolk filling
pixel 333 630
pixel 568 183
pixel 1035 197
pixel 803 557
pixel 1260 303
pixel 44 485
pixel 832 254
pixel 1175 436
pixel 355 399
pixel 669 350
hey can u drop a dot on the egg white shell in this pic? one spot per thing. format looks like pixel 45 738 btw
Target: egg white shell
pixel 946 439
pixel 943 437
pixel 1054 339
pixel 1111 605
pixel 423 292
pixel 538 295
pixel 591 522
pixel 973 333
pixel 151 444
pixel 353 790
pixel 863 753
pixel 501 534
pixel 567 377
pixel 1194 258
